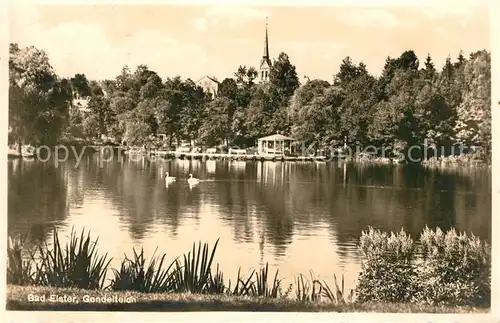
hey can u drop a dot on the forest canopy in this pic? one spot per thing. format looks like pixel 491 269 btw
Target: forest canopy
pixel 410 103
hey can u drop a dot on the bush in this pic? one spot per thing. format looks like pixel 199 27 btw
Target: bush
pixel 446 268
pixel 456 269
pixel 388 270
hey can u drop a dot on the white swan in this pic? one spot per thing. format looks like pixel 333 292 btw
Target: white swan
pixel 169 179
pixel 192 181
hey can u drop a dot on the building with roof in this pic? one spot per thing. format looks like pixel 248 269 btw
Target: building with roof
pixel 209 85
pixel 265 62
pixel 275 145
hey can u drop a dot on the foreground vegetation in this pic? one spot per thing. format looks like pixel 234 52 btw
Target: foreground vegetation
pixel 445 272
pixel 17 300
pixel 410 104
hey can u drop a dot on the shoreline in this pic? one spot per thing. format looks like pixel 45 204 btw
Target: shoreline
pixel 442 163
pixel 87 300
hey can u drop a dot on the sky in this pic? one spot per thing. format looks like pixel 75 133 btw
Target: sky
pixel 194 40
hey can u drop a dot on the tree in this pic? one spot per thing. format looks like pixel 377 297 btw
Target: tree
pixel 100 111
pixel 152 87
pixel 218 125
pixel 404 106
pixel 474 115
pixel 38 100
pixel 168 107
pixel 314 113
pixel 434 118
pixel 460 60
pixel 347 72
pixel 191 114
pixel 228 88
pixel 284 76
pixel 429 70
pixel 245 76
pixel 80 85
pixel 360 95
pixel 393 120
pixel 448 68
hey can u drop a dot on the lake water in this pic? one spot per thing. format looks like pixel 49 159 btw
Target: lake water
pixel 297 216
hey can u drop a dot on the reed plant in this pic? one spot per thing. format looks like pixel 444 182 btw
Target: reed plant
pixel 135 275
pixel 307 290
pixel 242 287
pixel 316 290
pixel 454 269
pixel 193 273
pixel 338 294
pixel 257 284
pixel 216 282
pixel 75 265
pixel 262 288
pixel 19 269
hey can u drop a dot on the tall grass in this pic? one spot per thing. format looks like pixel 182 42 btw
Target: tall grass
pixel 315 290
pixel 135 275
pixel 307 290
pixel 338 294
pixel 194 272
pixel 19 270
pixel 75 265
pixel 454 270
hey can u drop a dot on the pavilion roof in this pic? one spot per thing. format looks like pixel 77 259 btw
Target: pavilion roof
pixel 276 137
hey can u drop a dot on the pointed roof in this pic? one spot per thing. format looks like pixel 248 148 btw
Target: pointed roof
pixel 265 57
pixel 276 137
pixel 266 45
pixel 213 79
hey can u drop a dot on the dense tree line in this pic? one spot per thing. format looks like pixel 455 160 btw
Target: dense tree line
pixel 408 104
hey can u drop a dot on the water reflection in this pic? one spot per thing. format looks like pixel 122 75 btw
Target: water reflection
pixel 290 214
pixel 37 196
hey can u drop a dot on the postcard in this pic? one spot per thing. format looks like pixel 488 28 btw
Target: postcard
pixel 239 157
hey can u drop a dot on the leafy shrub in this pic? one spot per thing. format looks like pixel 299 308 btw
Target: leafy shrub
pixel 455 270
pixel 388 270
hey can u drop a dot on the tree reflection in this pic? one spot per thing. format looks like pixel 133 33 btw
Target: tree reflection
pixel 37 195
pixel 265 203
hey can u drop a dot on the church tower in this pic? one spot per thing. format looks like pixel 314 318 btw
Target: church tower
pixel 265 62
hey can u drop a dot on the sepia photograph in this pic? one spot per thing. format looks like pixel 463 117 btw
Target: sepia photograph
pixel 237 157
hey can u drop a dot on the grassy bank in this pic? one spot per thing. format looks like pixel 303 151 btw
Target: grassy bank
pixel 446 272
pixel 18 299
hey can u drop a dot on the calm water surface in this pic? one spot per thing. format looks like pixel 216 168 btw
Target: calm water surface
pixel 296 216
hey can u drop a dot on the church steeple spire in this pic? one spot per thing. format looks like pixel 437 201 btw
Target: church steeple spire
pixel 265 63
pixel 266 45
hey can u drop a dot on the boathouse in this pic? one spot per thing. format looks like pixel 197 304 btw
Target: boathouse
pixel 276 145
